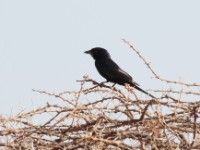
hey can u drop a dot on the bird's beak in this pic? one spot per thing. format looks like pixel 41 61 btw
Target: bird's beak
pixel 87 52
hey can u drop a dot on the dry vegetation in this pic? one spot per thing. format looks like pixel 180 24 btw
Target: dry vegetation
pixel 98 116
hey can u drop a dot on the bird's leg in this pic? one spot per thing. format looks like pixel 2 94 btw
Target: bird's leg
pixel 114 85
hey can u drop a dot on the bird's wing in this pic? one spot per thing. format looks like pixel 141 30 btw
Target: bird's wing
pixel 109 69
pixel 125 75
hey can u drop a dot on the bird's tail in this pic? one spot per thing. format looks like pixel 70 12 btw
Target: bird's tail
pixel 143 91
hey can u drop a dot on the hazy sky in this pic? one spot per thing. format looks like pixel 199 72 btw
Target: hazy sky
pixel 42 44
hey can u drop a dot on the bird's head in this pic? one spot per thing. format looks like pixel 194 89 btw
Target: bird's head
pixel 98 53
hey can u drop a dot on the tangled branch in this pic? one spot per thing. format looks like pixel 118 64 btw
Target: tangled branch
pixel 100 116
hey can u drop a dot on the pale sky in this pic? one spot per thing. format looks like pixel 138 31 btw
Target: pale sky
pixel 42 44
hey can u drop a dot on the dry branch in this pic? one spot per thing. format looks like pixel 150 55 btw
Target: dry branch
pixel 99 116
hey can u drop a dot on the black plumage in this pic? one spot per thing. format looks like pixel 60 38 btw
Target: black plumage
pixel 110 70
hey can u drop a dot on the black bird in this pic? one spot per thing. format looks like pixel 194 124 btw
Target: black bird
pixel 110 70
